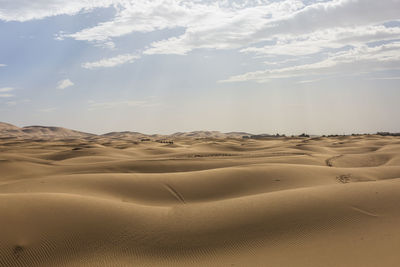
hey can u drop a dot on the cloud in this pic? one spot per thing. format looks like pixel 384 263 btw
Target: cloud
pixel 6 89
pixel 143 16
pixel 332 38
pixel 365 58
pixel 217 24
pixel 229 25
pixel 111 62
pixel 4 92
pixel 308 81
pixel 64 84
pixel 291 28
pixel 25 10
pixel 253 25
pixel 210 24
pixel 6 95
pixel 282 31
pixel 3 65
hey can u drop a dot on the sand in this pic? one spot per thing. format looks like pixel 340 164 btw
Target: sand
pixel 108 201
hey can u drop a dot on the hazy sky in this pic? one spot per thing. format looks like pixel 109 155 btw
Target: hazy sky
pixel 162 66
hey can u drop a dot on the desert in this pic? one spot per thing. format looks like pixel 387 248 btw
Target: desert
pixel 200 133
pixel 206 198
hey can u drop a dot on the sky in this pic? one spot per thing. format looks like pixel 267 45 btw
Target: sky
pixel 163 66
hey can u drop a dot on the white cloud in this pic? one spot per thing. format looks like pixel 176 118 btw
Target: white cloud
pixel 226 26
pixel 261 28
pixel 291 27
pixel 315 42
pixel 6 89
pixel 111 62
pixel 24 10
pixel 3 65
pixel 217 24
pixel 64 84
pixel 144 16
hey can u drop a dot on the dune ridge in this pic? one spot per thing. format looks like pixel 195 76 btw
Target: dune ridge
pixel 108 201
pixel 50 132
pixel 39 132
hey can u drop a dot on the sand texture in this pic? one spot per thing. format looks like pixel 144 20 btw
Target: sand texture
pixel 210 201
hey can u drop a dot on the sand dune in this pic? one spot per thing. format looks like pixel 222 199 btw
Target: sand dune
pixel 49 132
pixel 109 201
pixel 38 132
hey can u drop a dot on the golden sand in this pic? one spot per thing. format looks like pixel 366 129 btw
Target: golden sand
pixel 106 201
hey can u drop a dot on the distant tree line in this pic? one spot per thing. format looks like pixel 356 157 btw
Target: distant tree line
pixel 388 134
pixel 304 135
pixel 264 136
pixel 165 141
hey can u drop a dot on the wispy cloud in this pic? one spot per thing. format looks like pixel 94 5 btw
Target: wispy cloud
pixel 111 62
pixel 308 81
pixel 64 84
pixel 380 57
pixel 3 65
pixel 22 10
pixel 4 92
pixel 6 95
pixel 321 40
pixel 6 89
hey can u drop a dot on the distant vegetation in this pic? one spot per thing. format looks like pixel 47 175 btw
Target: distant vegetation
pixel 304 135
pixel 261 136
pixel 165 142
pixel 388 134
pixel 266 136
